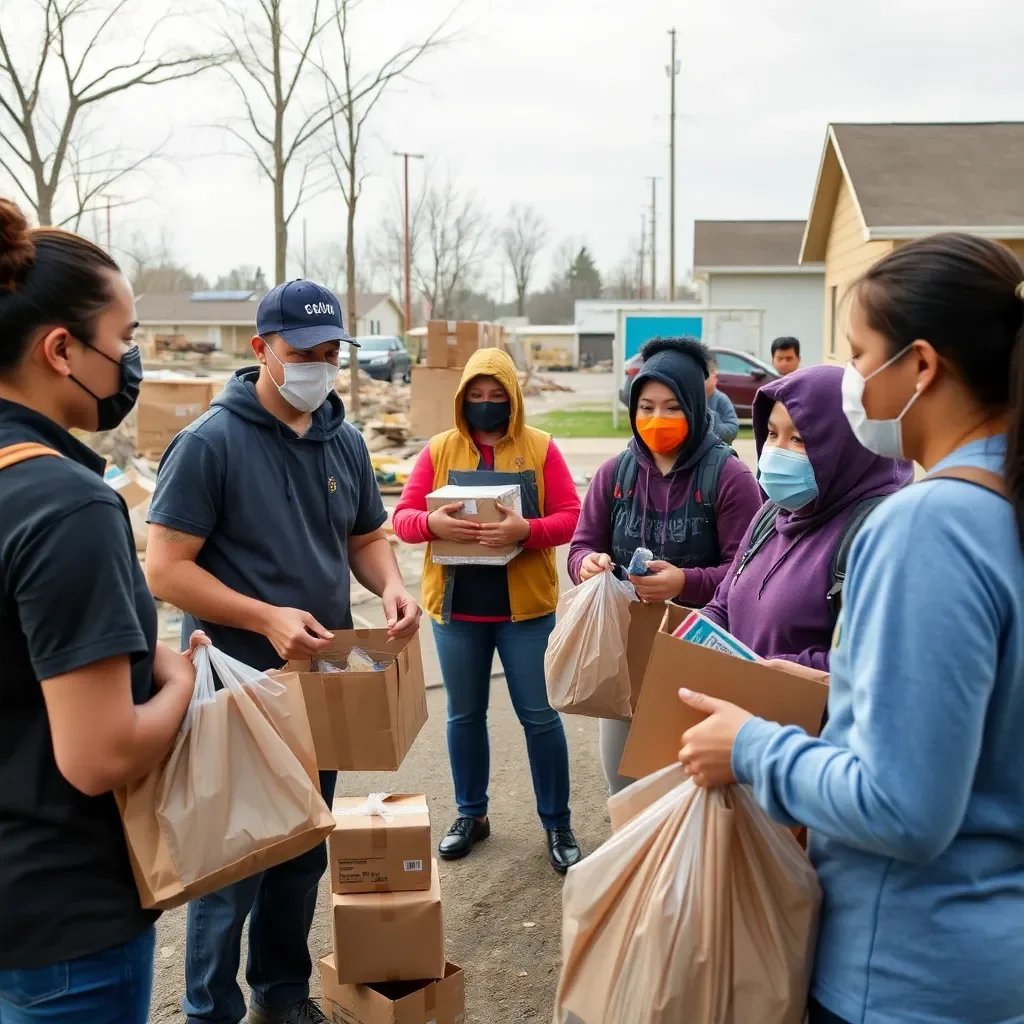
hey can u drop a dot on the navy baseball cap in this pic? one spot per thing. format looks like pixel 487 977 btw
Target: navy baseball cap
pixel 303 313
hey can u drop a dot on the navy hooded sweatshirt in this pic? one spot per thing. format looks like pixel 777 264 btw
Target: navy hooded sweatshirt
pixel 275 509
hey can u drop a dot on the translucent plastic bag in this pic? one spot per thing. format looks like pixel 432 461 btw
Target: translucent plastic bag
pixel 238 793
pixel 585 663
pixel 698 910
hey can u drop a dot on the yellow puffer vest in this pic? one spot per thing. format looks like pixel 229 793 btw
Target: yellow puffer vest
pixel 532 575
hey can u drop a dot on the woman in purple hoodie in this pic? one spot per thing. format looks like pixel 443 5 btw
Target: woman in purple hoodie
pixel 817 475
pixel 676 490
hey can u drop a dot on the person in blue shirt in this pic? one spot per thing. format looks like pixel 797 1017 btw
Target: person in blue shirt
pixel 724 423
pixel 914 794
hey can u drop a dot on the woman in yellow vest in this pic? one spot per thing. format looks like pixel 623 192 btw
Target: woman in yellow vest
pixel 478 609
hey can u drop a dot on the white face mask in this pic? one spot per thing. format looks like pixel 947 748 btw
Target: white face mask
pixel 306 385
pixel 883 437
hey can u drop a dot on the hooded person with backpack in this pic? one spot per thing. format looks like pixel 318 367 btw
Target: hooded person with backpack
pixel 676 490
pixel 782 595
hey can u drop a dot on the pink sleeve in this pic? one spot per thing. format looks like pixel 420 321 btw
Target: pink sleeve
pixel 561 505
pixel 410 516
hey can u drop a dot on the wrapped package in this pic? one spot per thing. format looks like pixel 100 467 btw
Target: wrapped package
pixel 238 793
pixel 698 910
pixel 585 664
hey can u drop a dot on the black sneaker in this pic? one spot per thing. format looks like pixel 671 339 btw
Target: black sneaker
pixel 306 1012
pixel 462 837
pixel 563 850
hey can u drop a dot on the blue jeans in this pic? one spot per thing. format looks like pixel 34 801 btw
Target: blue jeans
pixel 279 904
pixel 109 987
pixel 466 650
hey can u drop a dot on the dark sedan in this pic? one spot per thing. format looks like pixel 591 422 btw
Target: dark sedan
pixel 383 358
pixel 739 377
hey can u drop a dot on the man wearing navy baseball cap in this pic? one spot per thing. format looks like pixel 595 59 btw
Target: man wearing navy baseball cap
pixel 262 507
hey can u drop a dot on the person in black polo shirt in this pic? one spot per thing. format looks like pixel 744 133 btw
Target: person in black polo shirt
pixel 88 699
pixel 261 507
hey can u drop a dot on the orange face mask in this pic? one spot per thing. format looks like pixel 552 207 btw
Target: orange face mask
pixel 663 434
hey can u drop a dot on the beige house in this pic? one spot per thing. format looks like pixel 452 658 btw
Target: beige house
pixel 227 320
pixel 882 185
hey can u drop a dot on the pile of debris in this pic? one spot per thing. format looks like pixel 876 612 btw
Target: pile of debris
pixel 118 445
pixel 533 384
pixel 383 410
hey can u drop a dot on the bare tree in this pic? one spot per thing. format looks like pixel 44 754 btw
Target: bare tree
pixel 522 239
pixel 151 266
pixel 272 69
pixel 351 98
pixel 51 77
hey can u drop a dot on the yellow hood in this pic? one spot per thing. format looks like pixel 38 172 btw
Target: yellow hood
pixel 492 362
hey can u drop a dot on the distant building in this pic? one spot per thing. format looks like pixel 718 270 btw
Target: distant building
pixel 755 264
pixel 227 320
pixel 881 185
pixel 595 321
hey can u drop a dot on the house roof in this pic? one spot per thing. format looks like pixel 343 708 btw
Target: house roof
pixel 181 308
pixel 746 243
pixel 911 180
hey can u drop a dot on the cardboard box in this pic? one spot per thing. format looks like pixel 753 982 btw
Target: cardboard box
pixel 380 844
pixel 450 343
pixel 432 401
pixel 661 717
pixel 645 620
pixel 413 1002
pixel 166 407
pixel 480 505
pixel 365 721
pixel 389 936
pixel 137 491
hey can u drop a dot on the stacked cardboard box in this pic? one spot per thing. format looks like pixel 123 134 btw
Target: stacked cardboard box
pixel 168 406
pixel 388 964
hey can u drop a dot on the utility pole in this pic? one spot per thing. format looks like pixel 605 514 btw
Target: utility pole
pixel 643 251
pixel 406 157
pixel 672 70
pixel 654 236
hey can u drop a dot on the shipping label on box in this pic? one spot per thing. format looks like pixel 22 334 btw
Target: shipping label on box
pixel 393 936
pixel 364 721
pixel 479 505
pixel 380 844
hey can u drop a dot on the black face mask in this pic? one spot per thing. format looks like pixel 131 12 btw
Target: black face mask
pixel 112 410
pixel 488 417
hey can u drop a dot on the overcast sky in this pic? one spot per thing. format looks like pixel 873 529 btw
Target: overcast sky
pixel 563 104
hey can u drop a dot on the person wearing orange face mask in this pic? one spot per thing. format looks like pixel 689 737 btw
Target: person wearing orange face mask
pixel 676 490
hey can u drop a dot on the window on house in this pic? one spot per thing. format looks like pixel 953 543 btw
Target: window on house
pixel 833 298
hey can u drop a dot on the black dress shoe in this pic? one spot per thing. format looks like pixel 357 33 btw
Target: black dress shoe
pixel 563 849
pixel 462 837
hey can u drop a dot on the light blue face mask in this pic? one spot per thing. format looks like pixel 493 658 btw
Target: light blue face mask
pixel 787 477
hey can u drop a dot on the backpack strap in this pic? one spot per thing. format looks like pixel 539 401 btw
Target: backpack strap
pixel 764 527
pixel 15 453
pixel 983 478
pixel 708 473
pixel 841 555
pixel 626 472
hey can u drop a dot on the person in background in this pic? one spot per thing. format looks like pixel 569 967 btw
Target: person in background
pixel 676 490
pixel 786 355
pixel 89 701
pixel 262 507
pixel 725 425
pixel 821 483
pixel 913 795
pixel 478 609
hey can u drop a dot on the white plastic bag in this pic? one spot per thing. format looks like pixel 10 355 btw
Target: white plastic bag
pixel 585 664
pixel 698 910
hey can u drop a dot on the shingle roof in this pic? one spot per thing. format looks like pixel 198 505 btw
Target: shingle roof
pixel 747 243
pixel 179 308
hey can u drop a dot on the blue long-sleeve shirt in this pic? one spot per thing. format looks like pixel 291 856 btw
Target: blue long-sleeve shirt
pixel 724 422
pixel 914 794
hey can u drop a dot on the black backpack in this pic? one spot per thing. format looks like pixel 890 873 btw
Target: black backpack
pixel 764 528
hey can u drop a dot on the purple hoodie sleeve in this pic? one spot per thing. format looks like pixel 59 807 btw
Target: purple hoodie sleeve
pixel 813 657
pixel 739 499
pixel 594 529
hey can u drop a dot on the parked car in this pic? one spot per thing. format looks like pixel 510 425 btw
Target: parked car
pixel 739 377
pixel 382 357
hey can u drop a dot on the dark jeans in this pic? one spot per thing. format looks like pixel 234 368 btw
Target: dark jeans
pixel 110 987
pixel 279 904
pixel 817 1014
pixel 466 650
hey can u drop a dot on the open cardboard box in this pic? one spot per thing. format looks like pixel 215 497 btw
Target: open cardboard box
pixel 661 718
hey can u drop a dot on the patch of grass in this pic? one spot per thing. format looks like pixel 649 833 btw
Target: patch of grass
pixel 586 422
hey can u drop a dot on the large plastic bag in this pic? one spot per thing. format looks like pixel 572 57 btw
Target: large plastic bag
pixel 585 663
pixel 238 793
pixel 698 910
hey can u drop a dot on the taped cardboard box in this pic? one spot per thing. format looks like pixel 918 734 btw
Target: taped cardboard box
pixel 389 936
pixel 432 401
pixel 167 407
pixel 451 343
pixel 364 721
pixel 380 844
pixel 401 1002
pixel 137 491
pixel 661 718
pixel 479 505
